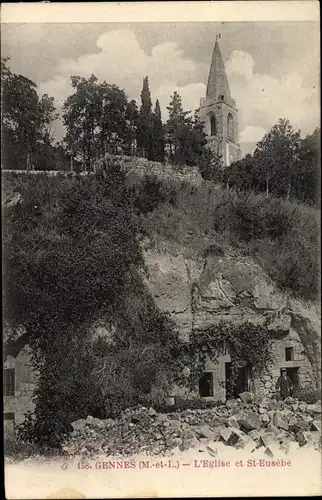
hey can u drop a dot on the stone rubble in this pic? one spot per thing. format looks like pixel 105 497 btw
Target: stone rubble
pixel 239 424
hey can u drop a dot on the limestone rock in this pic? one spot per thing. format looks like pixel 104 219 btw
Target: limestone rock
pixel 225 433
pixel 265 418
pixel 79 424
pixel 246 397
pixel 254 435
pixel 316 425
pixel 279 421
pixel 313 408
pixel 249 421
pixel 232 422
pixel 206 432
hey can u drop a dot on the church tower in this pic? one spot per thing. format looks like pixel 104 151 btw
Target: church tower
pixel 218 111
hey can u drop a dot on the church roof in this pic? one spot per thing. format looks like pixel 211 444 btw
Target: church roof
pixel 217 80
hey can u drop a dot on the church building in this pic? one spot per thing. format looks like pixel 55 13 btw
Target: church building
pixel 218 111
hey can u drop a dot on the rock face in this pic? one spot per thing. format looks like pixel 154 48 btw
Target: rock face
pixel 141 430
pixel 201 291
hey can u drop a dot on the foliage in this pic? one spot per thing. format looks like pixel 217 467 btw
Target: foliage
pixel 71 256
pixel 211 166
pixel 308 395
pixel 186 139
pixel 248 345
pixel 280 235
pixel 26 120
pixel 157 134
pixel 151 192
pixel 98 118
pixel 145 122
pixel 283 164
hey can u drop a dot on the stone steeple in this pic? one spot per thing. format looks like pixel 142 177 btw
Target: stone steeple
pixel 218 111
pixel 217 81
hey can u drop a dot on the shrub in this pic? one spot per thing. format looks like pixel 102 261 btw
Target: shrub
pixel 282 236
pixel 150 192
pixel 72 255
pixel 308 395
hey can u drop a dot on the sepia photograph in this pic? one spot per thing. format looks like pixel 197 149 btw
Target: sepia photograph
pixel 161 176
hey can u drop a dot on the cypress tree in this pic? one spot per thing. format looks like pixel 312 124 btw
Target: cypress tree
pixel 158 134
pixel 145 122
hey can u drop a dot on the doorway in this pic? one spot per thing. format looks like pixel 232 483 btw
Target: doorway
pixel 206 388
pixel 293 375
pixel 241 383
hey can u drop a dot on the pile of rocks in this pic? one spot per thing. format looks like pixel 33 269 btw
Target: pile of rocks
pixel 248 423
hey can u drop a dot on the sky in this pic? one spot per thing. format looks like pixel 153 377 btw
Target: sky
pixel 273 68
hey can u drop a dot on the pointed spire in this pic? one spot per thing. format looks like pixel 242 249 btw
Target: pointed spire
pixel 217 80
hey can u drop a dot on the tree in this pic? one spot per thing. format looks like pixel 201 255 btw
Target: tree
pixel 131 116
pixel 72 257
pixel 80 116
pixel 26 119
pixel 176 129
pixel 112 119
pixel 95 117
pixel 158 134
pixel 307 181
pixel 277 157
pixel 145 122
pixel 186 139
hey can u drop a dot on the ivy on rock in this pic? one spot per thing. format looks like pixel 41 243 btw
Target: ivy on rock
pixel 247 344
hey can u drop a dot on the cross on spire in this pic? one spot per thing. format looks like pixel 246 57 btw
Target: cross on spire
pixel 218 36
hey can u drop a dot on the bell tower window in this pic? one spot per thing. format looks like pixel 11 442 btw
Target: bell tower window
pixel 213 126
pixel 230 127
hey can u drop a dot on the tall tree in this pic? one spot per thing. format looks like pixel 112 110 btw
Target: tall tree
pixel 277 157
pixel 158 134
pixel 131 116
pixel 177 129
pixel 112 117
pixel 307 183
pixel 145 122
pixel 26 119
pixel 95 118
pixel 80 116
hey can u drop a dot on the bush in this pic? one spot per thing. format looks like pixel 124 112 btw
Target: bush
pixel 150 192
pixel 71 256
pixel 310 396
pixel 281 236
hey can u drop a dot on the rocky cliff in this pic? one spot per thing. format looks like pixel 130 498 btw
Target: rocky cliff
pixel 200 289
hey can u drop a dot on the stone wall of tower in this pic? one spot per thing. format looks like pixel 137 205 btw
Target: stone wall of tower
pixel 227 147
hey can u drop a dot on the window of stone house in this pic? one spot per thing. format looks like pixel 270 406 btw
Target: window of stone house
pixel 221 97
pixel 9 416
pixel 9 382
pixel 289 354
pixel 206 385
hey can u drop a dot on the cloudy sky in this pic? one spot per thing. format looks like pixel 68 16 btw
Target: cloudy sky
pixel 273 68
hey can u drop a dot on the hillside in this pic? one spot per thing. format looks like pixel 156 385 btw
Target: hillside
pixel 148 258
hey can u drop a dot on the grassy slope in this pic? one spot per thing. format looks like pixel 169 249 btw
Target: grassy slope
pixel 282 236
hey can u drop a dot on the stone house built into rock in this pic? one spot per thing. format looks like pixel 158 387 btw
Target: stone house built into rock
pixel 218 112
pixel 288 352
pixel 204 291
pixel 20 381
